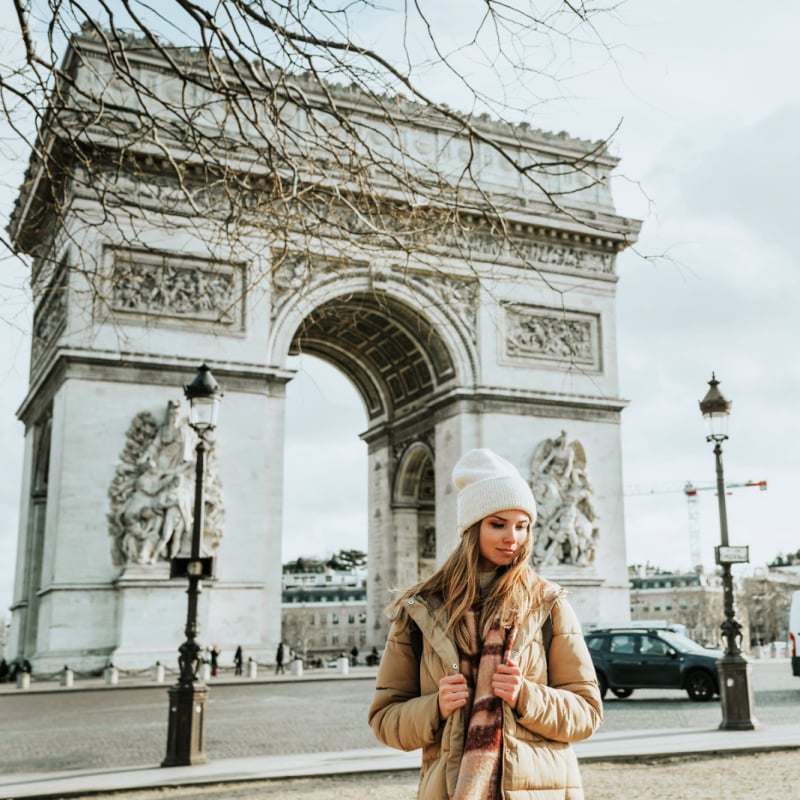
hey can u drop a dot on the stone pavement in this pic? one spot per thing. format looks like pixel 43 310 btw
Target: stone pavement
pixel 600 748
pixel 603 747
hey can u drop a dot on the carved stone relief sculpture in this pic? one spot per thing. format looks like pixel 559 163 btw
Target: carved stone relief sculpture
pixel 551 335
pixel 152 493
pixel 182 289
pixel 50 315
pixel 566 530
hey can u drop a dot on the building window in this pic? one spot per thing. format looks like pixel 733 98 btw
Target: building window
pixel 334 619
pixel 323 618
pixel 351 619
pixel 334 638
pixel 362 618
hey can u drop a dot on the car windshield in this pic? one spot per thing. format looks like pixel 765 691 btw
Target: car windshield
pixel 682 643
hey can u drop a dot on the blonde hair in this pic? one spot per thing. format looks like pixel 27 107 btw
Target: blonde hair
pixel 516 589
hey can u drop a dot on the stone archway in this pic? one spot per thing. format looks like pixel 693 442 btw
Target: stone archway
pixel 405 350
pixel 414 509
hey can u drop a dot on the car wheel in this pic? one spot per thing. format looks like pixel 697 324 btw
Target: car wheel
pixel 700 686
pixel 602 683
pixel 622 693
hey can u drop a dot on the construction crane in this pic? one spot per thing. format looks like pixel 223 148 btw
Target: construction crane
pixel 691 489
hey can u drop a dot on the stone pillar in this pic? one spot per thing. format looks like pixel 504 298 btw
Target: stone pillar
pixel 381 579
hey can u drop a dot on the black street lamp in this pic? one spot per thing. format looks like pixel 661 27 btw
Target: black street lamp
pixel 735 687
pixel 186 737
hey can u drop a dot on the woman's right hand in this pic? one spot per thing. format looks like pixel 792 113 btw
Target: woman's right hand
pixel 453 694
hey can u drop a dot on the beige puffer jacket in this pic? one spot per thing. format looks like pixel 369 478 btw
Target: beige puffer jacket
pixel 538 762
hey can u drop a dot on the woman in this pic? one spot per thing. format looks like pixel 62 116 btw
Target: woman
pixel 485 667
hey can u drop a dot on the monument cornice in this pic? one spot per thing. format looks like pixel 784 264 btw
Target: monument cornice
pixel 450 401
pixel 536 403
pixel 516 218
pixel 117 366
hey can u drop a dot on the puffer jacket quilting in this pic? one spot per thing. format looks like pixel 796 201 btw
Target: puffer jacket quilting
pixel 538 762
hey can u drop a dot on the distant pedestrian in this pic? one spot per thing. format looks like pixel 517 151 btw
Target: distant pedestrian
pixel 354 656
pixel 373 658
pixel 279 657
pixel 215 651
pixel 237 661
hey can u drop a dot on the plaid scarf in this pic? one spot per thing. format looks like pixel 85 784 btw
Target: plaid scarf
pixel 479 771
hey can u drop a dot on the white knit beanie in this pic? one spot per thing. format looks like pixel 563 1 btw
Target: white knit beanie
pixel 487 484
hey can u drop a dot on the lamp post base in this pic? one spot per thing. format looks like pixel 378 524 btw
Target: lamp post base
pixel 736 694
pixel 186 733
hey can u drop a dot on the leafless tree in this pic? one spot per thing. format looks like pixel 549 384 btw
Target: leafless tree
pixel 278 125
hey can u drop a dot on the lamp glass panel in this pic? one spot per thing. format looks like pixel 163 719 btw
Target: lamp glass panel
pixel 203 412
pixel 717 424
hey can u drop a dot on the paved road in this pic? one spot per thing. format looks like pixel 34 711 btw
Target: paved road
pixel 122 727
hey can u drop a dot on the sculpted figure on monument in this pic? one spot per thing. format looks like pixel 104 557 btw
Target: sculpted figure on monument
pixel 152 492
pixel 566 529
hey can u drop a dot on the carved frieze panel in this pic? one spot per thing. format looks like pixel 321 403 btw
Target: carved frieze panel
pixel 533 252
pixel 51 314
pixel 179 288
pixel 552 336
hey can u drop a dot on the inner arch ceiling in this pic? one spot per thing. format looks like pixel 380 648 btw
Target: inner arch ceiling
pixel 393 354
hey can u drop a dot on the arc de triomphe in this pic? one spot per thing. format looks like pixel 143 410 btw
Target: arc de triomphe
pixel 513 348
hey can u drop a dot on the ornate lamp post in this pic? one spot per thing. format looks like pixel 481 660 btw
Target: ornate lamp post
pixel 187 698
pixel 736 693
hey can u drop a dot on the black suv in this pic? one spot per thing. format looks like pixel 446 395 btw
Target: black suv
pixel 652 658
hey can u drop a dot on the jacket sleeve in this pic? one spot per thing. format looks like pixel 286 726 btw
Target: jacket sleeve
pixel 399 716
pixel 570 708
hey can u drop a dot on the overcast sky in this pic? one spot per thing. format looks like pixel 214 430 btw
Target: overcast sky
pixel 709 104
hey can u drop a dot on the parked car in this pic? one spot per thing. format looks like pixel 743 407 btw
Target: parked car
pixel 794 633
pixel 655 658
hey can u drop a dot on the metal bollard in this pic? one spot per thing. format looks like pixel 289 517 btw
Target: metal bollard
pixel 111 675
pixel 67 676
pixel 158 672
pixel 252 668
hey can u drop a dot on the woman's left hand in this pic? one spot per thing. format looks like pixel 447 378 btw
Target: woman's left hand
pixel 507 682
